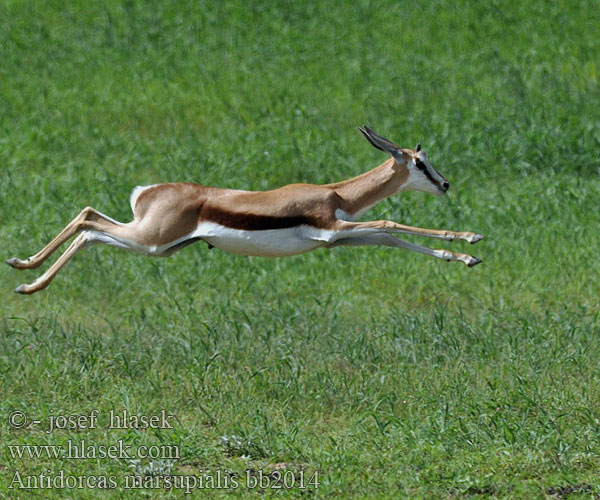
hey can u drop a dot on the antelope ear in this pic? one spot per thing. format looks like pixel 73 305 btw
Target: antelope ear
pixel 418 147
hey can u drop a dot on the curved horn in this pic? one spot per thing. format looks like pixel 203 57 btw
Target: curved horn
pixel 379 142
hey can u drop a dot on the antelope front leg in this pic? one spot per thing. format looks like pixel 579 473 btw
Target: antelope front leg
pixel 388 226
pixel 76 225
pixel 390 241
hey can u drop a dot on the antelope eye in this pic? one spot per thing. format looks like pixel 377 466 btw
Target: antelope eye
pixel 420 165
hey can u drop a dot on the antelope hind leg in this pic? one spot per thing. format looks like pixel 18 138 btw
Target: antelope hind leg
pixel 79 223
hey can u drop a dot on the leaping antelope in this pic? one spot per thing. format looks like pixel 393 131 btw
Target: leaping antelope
pixel 291 220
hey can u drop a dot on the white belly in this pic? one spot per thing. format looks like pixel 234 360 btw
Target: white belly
pixel 266 243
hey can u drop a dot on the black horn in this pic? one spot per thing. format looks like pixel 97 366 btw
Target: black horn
pixel 379 142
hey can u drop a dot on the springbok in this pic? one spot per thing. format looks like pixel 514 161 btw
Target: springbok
pixel 291 220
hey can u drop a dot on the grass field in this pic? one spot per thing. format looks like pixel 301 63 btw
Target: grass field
pixel 385 373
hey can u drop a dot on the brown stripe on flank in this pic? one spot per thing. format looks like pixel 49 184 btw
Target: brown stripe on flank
pixel 252 222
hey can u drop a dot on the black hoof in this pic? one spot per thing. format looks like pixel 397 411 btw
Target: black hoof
pixel 473 262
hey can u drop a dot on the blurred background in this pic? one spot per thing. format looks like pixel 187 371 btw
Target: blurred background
pixel 389 372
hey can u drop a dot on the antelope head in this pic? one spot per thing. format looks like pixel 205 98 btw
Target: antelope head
pixel 413 163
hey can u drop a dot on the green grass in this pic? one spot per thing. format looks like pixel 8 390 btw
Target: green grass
pixel 390 374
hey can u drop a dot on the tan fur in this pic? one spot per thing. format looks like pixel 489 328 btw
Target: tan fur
pixel 167 214
pixel 371 187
